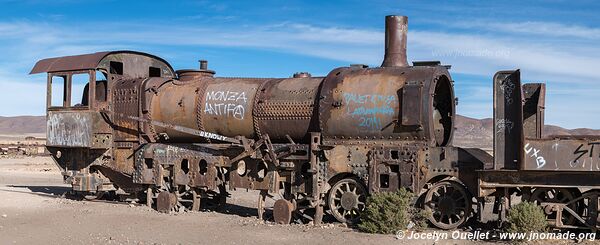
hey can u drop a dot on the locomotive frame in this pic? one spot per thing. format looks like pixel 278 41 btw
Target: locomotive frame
pixel 144 132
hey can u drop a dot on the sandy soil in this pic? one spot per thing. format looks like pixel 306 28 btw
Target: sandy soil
pixel 32 211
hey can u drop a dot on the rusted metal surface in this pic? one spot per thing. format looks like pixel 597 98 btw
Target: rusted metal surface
pixel 373 104
pixel 562 154
pixel 534 96
pixel 193 166
pixel 137 64
pixel 224 106
pixel 282 211
pixel 69 129
pixel 228 104
pixel 508 120
pixel 238 106
pixel 492 179
pixel 182 129
pixel 166 202
pixel 69 63
pixel 125 101
pixel 396 28
pixel 178 107
pixel 286 107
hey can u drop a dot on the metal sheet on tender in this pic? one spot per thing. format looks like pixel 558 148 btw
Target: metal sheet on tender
pixel 580 153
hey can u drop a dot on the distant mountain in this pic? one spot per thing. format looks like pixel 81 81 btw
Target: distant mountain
pixel 23 125
pixel 471 132
pixel 556 130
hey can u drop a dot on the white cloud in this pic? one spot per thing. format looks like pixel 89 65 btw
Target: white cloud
pixel 534 28
pixel 555 61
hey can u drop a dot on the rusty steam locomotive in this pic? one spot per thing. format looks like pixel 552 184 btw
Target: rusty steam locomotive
pixel 318 144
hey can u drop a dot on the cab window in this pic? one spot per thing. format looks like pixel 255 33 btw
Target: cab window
pixel 79 88
pixel 58 88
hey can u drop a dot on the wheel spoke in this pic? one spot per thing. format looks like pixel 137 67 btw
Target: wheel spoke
pixel 445 219
pixel 431 204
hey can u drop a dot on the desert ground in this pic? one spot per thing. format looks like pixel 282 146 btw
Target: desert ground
pixel 33 211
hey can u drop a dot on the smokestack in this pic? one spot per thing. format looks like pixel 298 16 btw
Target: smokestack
pixel 396 28
pixel 203 64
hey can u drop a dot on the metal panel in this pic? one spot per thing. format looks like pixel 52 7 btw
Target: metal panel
pixel 562 154
pixel 227 108
pixel 534 95
pixel 361 104
pixel 69 63
pixel 125 101
pixel 136 64
pixel 69 129
pixel 285 107
pixel 508 120
pixel 411 104
pixel 357 104
pixel 177 106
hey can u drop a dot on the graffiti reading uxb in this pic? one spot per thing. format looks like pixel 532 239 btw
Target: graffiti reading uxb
pixel 535 154
pixel 368 108
pixel 226 103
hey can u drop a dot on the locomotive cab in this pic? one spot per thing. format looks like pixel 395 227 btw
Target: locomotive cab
pixel 79 129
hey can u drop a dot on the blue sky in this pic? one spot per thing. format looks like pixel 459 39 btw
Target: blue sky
pixel 553 41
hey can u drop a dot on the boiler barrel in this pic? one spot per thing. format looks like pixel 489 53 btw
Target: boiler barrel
pixel 350 105
pixel 237 107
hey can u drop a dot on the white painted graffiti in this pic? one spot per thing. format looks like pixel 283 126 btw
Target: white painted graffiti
pixel 503 125
pixel 535 154
pixel 212 136
pixel 226 103
pixel 507 87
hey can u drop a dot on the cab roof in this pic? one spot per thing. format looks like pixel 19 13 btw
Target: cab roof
pixel 134 59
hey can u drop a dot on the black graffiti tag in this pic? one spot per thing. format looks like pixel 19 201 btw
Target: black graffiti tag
pixel 582 151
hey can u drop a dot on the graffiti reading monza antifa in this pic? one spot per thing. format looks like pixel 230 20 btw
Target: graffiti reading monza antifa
pixel 368 108
pixel 226 103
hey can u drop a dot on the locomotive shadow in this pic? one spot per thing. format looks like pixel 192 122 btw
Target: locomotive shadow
pixel 41 190
pixel 245 211
pixel 239 210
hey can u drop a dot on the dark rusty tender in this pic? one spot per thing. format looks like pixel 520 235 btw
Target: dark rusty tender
pixel 176 139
